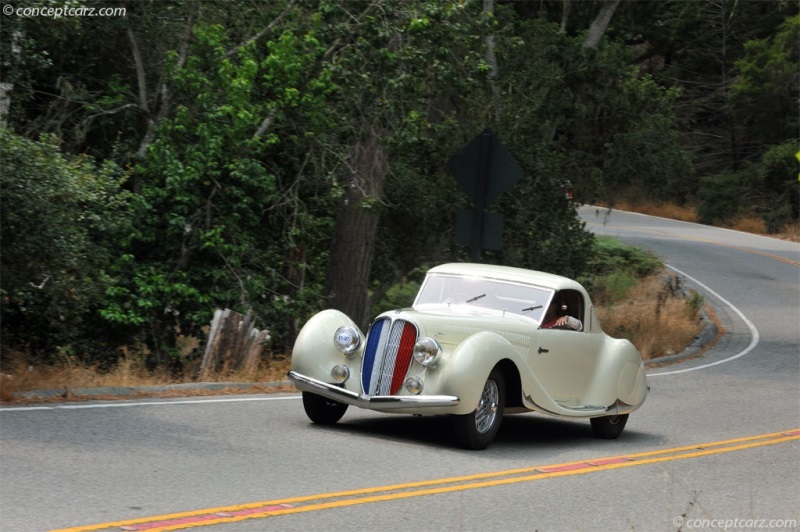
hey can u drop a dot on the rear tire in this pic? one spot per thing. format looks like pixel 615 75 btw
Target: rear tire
pixel 322 410
pixel 609 427
pixel 476 430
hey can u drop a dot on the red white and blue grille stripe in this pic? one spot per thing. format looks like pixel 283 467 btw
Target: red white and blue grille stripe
pixel 387 357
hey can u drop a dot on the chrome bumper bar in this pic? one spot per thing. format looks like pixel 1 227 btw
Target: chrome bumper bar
pixel 377 402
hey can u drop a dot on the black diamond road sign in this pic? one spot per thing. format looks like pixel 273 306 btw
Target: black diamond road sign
pixel 484 169
pixel 503 169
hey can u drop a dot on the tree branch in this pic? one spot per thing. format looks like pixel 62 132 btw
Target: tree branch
pixel 263 32
pixel 335 44
pixel 265 124
pixel 141 80
pixel 166 97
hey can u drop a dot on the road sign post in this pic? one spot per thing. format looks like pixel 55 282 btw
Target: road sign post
pixel 484 169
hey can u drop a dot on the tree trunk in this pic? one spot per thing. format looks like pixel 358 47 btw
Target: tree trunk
pixel 353 244
pixel 491 57
pixel 564 17
pixel 600 24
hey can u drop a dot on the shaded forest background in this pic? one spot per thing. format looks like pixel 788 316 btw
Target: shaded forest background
pixel 285 156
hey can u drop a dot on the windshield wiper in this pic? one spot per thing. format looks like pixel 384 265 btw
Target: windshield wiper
pixel 476 298
pixel 532 308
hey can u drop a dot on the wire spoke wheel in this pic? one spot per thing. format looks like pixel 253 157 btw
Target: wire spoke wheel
pixel 486 412
pixel 477 429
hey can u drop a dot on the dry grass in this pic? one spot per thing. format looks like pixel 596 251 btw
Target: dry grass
pixel 756 226
pixel 18 376
pixel 688 213
pixel 654 317
pixel 684 213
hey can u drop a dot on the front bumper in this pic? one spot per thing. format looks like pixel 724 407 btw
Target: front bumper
pixel 378 402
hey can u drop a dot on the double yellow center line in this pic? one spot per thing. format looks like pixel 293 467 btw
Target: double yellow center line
pixel 339 499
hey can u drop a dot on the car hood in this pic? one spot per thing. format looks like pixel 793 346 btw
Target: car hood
pixel 451 325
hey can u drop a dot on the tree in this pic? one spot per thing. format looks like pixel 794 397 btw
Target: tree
pixel 589 117
pixel 767 87
pixel 289 156
pixel 60 222
pixel 695 47
pixel 228 197
pixel 387 109
pixel 106 103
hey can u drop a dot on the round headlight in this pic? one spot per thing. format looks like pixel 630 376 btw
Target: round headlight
pixel 426 351
pixel 339 373
pixel 347 339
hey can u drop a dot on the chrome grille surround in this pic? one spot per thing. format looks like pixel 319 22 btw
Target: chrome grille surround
pixel 387 355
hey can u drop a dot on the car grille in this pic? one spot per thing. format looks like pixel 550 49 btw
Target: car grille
pixel 387 356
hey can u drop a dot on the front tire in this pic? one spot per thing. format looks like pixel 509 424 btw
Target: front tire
pixel 476 430
pixel 322 410
pixel 609 427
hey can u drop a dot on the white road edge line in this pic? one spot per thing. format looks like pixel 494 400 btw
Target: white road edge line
pixel 753 330
pixel 148 403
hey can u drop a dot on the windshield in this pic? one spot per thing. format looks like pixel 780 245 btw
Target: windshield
pixel 525 300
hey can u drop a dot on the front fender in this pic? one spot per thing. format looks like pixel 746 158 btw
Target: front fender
pixel 314 353
pixel 466 369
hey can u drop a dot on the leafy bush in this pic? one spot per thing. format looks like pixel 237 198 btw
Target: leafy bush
pixel 781 187
pixel 401 295
pixel 721 197
pixel 615 268
pixel 60 223
pixel 768 186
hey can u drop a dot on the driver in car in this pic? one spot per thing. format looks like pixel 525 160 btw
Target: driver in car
pixel 557 317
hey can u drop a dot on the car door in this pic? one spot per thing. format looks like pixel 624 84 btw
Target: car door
pixel 564 361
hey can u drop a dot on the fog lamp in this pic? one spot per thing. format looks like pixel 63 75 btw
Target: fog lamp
pixel 413 385
pixel 339 373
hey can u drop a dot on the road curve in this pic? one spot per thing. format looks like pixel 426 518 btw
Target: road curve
pixel 714 447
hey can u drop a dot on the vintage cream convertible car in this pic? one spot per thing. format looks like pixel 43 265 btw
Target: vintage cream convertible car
pixel 473 345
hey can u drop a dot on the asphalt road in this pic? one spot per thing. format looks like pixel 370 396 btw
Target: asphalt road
pixel 715 447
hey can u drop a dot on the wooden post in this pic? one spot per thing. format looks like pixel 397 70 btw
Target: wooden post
pixel 233 344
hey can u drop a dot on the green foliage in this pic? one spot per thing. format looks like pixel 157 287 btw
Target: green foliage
pixel 425 55
pixel 721 197
pixel 780 187
pixel 768 85
pixel 695 303
pixel 238 127
pixel 225 203
pixel 61 221
pixel 602 125
pixel 647 153
pixel 615 268
pixel 770 183
pixel 401 295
